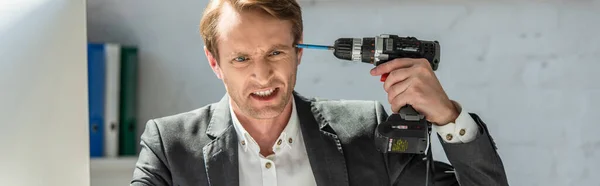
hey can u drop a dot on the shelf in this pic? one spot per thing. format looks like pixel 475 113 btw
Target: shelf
pixel 112 164
pixel 111 171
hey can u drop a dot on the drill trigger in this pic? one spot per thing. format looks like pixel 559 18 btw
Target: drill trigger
pixel 384 77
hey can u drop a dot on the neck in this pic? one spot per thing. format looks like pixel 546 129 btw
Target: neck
pixel 265 131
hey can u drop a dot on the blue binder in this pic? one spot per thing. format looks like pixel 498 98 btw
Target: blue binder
pixel 96 80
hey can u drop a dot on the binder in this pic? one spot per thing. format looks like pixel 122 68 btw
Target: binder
pixel 96 80
pixel 111 104
pixel 128 108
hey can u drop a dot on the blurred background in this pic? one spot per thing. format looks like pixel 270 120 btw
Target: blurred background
pixel 528 68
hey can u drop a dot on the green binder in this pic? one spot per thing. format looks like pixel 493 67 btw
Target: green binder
pixel 128 101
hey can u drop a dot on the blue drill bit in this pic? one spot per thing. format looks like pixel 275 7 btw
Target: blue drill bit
pixel 320 47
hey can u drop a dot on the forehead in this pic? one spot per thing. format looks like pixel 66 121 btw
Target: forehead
pixel 253 29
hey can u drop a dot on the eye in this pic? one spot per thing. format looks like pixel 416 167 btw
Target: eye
pixel 240 59
pixel 274 53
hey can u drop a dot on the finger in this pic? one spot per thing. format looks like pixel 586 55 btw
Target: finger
pixel 422 67
pixel 398 88
pixel 395 77
pixel 392 65
pixel 400 100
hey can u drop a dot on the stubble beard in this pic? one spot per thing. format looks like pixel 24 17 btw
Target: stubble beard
pixel 244 103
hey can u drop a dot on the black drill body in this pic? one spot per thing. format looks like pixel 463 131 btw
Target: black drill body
pixel 381 49
pixel 408 131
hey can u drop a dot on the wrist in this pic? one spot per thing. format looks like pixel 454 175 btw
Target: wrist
pixel 452 114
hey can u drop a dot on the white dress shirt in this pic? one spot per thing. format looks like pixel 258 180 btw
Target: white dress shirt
pixel 289 165
pixel 463 130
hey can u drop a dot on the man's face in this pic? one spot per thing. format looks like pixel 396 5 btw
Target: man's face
pixel 257 61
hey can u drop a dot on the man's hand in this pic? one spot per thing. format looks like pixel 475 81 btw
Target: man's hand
pixel 412 81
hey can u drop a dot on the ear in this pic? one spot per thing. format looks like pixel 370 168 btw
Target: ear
pixel 212 61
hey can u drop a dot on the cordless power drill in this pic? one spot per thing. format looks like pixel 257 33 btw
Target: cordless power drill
pixel 408 131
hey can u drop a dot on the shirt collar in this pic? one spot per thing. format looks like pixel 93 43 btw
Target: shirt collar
pixel 288 137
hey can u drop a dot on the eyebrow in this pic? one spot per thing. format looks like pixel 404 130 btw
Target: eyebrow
pixel 274 47
pixel 236 54
pixel 280 46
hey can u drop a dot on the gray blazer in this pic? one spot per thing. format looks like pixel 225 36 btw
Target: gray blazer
pixel 200 148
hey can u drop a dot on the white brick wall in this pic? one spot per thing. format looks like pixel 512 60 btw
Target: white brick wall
pixel 528 68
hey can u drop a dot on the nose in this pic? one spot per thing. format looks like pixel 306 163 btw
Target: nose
pixel 263 71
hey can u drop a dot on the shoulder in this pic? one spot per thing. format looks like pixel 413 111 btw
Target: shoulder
pixel 181 126
pixel 337 107
pixel 349 118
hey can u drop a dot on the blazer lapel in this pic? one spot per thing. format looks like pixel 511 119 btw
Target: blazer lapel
pixel 220 155
pixel 323 147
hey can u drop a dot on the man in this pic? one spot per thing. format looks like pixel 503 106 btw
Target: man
pixel 264 133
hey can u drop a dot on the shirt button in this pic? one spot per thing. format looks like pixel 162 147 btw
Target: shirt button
pixel 279 142
pixel 462 132
pixel 290 140
pixel 243 142
pixel 268 165
pixel 449 137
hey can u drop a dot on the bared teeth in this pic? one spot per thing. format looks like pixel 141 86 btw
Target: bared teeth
pixel 264 93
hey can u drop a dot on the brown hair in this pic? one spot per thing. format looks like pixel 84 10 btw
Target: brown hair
pixel 280 9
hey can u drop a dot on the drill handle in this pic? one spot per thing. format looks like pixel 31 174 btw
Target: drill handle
pixel 408 113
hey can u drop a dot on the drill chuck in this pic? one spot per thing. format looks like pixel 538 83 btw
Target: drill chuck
pixel 380 49
pixel 350 49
